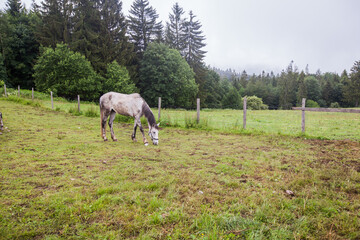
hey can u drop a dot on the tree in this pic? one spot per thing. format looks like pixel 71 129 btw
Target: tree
pixel 284 92
pixel 302 90
pixel 14 8
pixel 287 84
pixel 232 99
pixel 212 94
pixel 86 33
pixel 244 79
pixel 176 29
pixel 327 93
pixel 3 75
pixel 115 44
pixel 18 45
pixel 194 54
pixel 118 79
pixel 352 87
pixel 55 25
pixel 143 25
pixel 164 73
pixel 313 88
pixel 66 73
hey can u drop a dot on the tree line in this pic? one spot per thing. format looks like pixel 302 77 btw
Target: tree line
pixel 90 47
pixel 285 90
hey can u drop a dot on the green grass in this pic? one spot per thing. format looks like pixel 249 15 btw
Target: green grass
pixel 60 180
pixel 319 125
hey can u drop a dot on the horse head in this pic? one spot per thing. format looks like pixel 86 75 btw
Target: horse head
pixel 154 133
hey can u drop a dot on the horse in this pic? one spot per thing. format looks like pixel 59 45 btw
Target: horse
pixel 133 105
pixel 1 123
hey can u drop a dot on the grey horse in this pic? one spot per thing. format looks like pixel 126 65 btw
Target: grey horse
pixel 132 105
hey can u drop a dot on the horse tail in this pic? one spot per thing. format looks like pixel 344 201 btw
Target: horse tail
pixel 101 117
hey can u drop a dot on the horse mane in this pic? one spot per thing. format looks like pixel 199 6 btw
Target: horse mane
pixel 149 115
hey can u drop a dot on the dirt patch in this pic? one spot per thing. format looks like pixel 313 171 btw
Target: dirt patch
pixel 344 153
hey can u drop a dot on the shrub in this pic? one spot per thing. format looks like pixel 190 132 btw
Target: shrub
pixel 74 111
pixel 335 105
pixel 255 103
pixel 66 73
pixel 118 79
pixel 92 112
pixel 312 104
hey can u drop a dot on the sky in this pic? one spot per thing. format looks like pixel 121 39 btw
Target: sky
pixel 257 35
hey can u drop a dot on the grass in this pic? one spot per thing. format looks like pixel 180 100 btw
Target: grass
pixel 319 125
pixel 59 180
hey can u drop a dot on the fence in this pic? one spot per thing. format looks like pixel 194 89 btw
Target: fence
pixel 32 96
pixel 303 109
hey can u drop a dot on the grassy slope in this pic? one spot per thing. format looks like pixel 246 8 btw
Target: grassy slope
pixel 333 126
pixel 60 180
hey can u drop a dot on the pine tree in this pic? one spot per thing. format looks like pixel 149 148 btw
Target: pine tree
pixel 87 29
pixel 327 93
pixel 115 43
pixel 14 7
pixel 284 91
pixel 176 29
pixel 143 25
pixel 302 91
pixel 244 79
pixel 352 88
pixel 55 25
pixel 194 54
pixel 18 45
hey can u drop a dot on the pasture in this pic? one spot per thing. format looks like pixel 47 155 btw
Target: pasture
pixel 60 180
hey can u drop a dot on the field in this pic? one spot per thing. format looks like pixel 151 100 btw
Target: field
pixel 319 125
pixel 59 180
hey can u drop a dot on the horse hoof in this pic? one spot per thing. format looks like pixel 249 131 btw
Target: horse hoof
pixel 105 139
pixel 146 144
pixel 115 140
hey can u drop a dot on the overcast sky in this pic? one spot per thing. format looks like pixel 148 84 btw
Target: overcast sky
pixel 256 35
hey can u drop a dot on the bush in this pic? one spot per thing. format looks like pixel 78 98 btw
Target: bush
pixel 335 105
pixel 191 122
pixel 311 104
pixel 66 73
pixel 255 103
pixel 118 79
pixel 92 112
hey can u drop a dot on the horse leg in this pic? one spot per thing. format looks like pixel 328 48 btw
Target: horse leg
pixel 134 132
pixel 142 131
pixel 104 117
pixel 111 120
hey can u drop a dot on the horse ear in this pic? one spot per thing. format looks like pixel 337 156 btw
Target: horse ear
pixel 158 124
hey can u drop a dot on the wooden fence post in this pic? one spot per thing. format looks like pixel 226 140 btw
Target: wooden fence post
pixel 78 103
pixel 303 115
pixel 52 100
pixel 32 93
pixel 198 110
pixel 159 107
pixel 5 90
pixel 244 113
pixel 18 90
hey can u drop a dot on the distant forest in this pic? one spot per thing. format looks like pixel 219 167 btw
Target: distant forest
pixel 90 47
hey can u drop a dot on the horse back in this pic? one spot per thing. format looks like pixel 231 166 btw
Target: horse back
pixel 124 104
